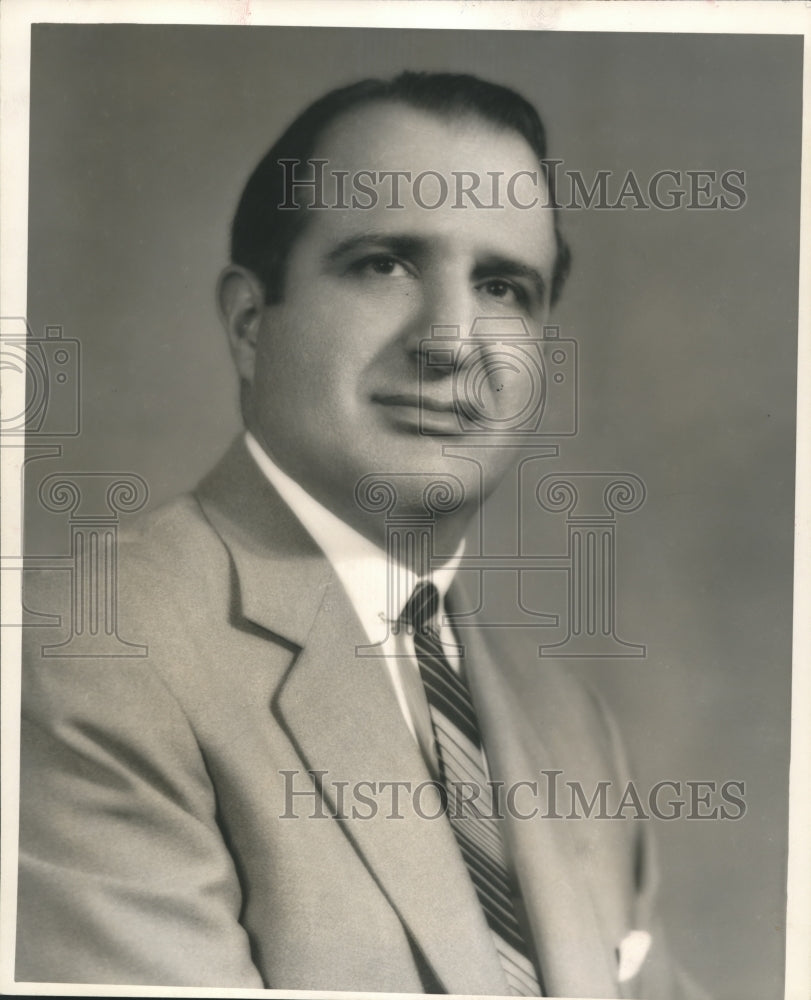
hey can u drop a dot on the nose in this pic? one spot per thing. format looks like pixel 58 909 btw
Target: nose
pixel 447 306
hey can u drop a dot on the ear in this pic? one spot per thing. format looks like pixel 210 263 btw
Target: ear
pixel 241 303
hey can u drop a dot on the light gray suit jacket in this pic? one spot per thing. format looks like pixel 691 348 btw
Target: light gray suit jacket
pixel 152 848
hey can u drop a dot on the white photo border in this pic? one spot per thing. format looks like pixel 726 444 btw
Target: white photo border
pixel 747 17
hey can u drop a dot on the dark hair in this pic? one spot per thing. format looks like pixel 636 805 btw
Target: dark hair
pixel 262 235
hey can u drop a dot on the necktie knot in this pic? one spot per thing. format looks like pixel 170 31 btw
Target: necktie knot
pixel 422 606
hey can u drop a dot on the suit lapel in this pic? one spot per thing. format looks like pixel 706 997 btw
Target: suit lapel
pixel 341 715
pixel 574 951
pixel 280 573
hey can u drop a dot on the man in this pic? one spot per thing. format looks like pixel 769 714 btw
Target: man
pixel 197 816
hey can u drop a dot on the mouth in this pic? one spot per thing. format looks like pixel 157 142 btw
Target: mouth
pixel 415 400
pixel 416 413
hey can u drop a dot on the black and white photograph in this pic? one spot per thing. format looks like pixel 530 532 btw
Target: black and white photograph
pixel 403 500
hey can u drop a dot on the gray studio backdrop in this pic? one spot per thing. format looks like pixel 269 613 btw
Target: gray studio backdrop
pixel 141 137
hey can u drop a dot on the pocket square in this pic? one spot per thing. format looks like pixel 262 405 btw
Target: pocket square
pixel 631 954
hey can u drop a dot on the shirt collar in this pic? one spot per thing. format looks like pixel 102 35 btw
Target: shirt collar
pixel 361 566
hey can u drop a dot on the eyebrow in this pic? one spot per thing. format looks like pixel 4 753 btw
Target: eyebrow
pixel 406 245
pixel 398 243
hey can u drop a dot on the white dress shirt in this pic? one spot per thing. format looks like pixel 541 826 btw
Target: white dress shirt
pixel 363 569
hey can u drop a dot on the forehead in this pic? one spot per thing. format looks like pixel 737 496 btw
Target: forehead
pixel 365 145
pixel 383 132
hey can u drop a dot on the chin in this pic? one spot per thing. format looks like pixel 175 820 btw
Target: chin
pixel 417 480
pixel 420 457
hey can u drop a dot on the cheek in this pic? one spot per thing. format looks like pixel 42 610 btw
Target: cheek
pixel 303 374
pixel 344 341
pixel 325 343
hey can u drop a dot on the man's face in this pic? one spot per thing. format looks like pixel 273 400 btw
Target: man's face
pixel 336 389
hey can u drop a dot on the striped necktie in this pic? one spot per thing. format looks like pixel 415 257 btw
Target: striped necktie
pixel 470 801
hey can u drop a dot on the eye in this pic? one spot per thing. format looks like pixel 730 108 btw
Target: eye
pixel 381 265
pixel 503 291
